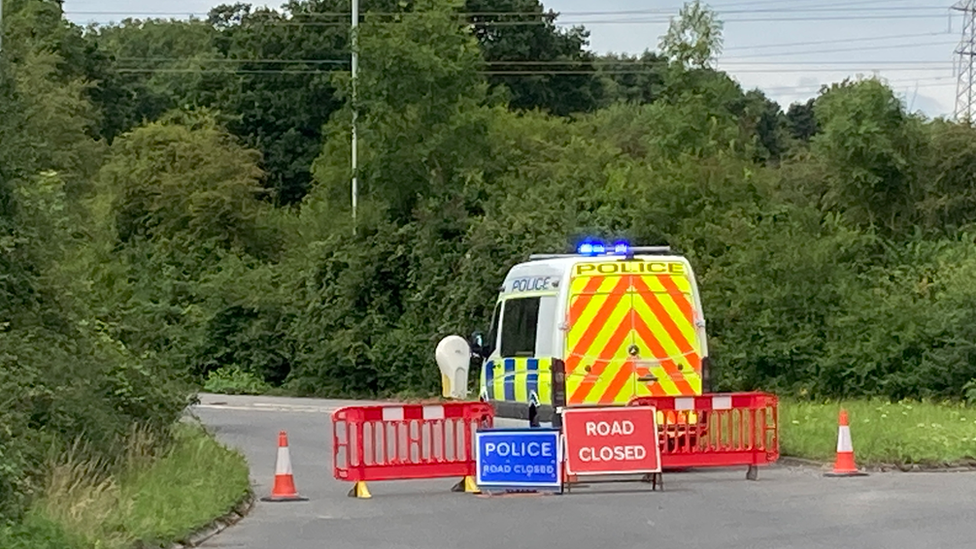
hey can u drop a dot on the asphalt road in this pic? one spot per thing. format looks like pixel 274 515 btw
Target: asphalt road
pixel 786 508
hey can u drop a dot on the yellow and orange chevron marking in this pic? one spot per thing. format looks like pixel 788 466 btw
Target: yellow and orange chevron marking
pixel 613 314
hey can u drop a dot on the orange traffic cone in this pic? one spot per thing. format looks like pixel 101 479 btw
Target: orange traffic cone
pixel 844 465
pixel 284 482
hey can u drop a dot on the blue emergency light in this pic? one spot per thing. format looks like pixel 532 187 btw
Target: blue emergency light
pixel 591 248
pixel 598 248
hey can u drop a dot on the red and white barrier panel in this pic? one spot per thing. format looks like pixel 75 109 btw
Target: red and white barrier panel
pixel 407 441
pixel 717 430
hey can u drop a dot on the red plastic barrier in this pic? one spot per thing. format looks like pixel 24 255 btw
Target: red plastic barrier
pixel 717 430
pixel 407 441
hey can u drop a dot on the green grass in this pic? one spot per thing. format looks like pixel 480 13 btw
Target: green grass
pixel 38 532
pixel 158 497
pixel 921 433
pixel 196 482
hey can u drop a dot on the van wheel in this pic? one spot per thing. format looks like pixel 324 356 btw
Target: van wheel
pixel 533 416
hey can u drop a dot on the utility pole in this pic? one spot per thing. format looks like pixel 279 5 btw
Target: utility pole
pixel 355 70
pixel 966 62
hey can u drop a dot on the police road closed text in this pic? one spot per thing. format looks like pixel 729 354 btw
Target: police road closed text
pixel 518 457
pixel 612 440
pixel 518 469
pixel 516 449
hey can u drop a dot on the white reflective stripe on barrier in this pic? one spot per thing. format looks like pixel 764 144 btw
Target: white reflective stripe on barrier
pixel 723 402
pixel 434 412
pixel 684 403
pixel 392 414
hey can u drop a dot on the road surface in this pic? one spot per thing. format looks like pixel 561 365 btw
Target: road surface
pixel 786 508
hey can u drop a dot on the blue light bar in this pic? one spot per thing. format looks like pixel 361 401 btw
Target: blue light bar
pixel 591 248
pixel 620 248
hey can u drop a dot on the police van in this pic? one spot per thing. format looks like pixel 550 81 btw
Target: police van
pixel 625 321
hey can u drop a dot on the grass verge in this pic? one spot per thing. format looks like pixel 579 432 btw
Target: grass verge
pixel 923 433
pixel 157 497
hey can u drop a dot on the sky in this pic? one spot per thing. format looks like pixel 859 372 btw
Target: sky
pixel 787 48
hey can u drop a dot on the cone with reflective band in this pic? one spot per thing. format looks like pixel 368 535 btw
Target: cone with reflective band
pixel 844 465
pixel 284 481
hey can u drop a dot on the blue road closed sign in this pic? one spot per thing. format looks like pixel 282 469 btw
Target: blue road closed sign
pixel 519 458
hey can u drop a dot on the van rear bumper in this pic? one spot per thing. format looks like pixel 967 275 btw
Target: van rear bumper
pixel 520 410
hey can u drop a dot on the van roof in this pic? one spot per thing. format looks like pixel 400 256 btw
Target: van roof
pixel 567 261
pixel 554 267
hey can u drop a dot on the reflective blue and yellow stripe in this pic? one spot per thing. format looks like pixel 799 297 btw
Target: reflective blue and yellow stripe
pixel 517 379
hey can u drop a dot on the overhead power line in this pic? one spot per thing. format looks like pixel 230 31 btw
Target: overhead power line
pixel 724 60
pixel 839 50
pixel 573 62
pixel 721 5
pixel 731 48
pixel 668 12
pixel 628 21
pixel 230 60
pixel 527 72
pixel 836 41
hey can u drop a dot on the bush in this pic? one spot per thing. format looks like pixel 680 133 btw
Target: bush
pixel 231 380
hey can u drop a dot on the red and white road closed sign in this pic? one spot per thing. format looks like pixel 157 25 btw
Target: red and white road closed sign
pixel 609 441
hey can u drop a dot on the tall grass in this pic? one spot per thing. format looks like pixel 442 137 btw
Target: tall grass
pixel 197 481
pixel 158 492
pixel 924 433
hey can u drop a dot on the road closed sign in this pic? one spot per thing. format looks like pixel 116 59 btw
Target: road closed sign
pixel 610 441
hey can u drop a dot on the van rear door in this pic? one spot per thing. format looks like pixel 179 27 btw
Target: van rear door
pixel 598 367
pixel 630 332
pixel 667 351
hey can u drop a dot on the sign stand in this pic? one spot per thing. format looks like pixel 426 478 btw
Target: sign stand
pixel 611 441
pixel 654 479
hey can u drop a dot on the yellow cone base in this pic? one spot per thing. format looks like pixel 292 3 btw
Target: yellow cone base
pixel 466 485
pixel 360 491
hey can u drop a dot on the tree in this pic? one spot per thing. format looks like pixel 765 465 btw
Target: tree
pixel 637 79
pixel 59 122
pixel 801 120
pixel 949 183
pixel 760 116
pixel 283 93
pixel 872 149
pixel 518 36
pixel 694 39
pixel 141 69
pixel 183 178
pixel 421 122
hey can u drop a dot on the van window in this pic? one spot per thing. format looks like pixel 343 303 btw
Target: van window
pixel 519 323
pixel 547 325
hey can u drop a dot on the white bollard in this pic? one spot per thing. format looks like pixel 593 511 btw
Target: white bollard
pixel 453 356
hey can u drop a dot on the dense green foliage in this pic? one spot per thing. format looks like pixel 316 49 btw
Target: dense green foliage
pixel 174 206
